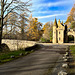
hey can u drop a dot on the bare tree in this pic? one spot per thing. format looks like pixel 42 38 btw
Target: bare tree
pixel 23 24
pixel 8 6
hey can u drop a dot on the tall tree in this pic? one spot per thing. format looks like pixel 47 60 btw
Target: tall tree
pixel 34 28
pixel 73 25
pixel 12 19
pixel 22 23
pixel 69 19
pixel 48 29
pixel 11 6
pixel 72 12
pixel 17 24
pixel 71 15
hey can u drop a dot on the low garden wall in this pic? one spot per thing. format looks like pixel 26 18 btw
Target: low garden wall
pixel 18 44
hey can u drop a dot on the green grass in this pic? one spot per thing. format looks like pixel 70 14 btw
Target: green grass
pixel 72 48
pixel 71 70
pixel 5 57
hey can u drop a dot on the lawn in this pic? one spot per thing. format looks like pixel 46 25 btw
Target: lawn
pixel 11 55
pixel 71 70
pixel 72 48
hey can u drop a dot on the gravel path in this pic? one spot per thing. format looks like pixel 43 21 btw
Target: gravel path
pixel 41 62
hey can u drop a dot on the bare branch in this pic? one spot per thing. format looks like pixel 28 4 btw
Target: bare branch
pixel 8 5
pixel 5 2
pixel 10 11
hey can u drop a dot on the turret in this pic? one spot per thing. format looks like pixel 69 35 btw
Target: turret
pixel 55 31
pixel 62 22
pixel 55 23
pixel 60 32
pixel 59 21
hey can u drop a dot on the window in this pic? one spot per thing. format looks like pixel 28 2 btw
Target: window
pixel 59 32
pixel 59 38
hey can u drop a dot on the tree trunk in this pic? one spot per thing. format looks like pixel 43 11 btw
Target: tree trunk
pixel 22 34
pixel 0 34
pixel 1 20
pixel 1 29
pixel 6 29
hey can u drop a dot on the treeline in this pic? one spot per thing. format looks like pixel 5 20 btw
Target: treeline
pixel 47 32
pixel 15 22
pixel 71 18
pixel 22 28
pixel 12 13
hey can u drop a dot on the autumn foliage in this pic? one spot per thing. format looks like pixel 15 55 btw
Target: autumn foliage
pixel 34 31
pixel 71 18
pixel 48 32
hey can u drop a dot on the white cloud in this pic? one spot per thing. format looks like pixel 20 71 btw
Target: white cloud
pixel 45 12
pixel 50 4
pixel 49 11
pixel 57 3
pixel 48 16
pixel 42 10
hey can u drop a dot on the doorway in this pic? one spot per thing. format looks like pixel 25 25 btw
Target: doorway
pixel 71 39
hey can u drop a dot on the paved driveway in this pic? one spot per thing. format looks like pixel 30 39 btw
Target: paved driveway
pixel 41 62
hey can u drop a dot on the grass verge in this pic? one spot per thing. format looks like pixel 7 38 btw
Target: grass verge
pixel 12 55
pixel 72 63
pixel 72 48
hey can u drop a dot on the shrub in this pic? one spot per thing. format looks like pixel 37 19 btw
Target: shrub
pixel 45 40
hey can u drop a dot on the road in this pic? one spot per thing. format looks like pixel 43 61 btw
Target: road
pixel 40 62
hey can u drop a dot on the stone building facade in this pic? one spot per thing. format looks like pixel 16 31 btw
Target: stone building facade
pixel 59 32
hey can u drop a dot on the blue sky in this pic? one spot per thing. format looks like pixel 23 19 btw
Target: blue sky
pixel 47 10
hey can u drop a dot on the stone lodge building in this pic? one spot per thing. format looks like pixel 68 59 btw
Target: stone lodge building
pixel 60 33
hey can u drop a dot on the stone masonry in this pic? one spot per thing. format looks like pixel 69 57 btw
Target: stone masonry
pixel 17 44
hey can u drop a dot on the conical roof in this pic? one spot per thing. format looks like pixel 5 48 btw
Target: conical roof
pixel 62 22
pixel 55 23
pixel 59 21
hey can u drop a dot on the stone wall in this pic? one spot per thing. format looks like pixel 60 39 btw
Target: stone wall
pixel 18 44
